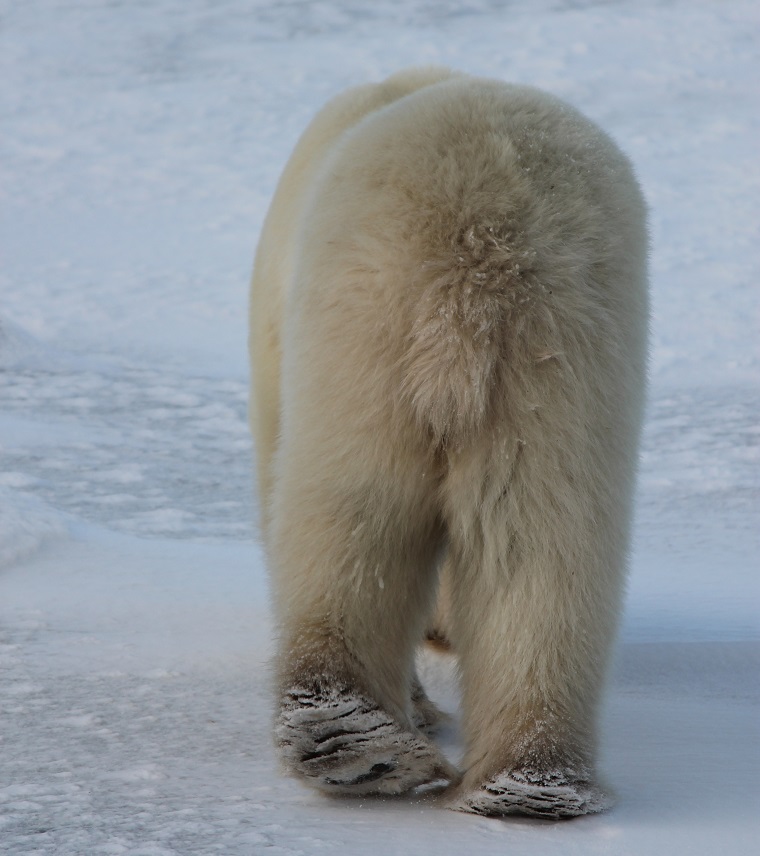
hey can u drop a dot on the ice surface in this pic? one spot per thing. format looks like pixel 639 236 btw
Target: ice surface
pixel 140 146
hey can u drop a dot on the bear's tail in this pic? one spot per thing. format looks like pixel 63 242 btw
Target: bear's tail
pixel 471 308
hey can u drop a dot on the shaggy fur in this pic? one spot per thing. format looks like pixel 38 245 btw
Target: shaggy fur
pixel 448 334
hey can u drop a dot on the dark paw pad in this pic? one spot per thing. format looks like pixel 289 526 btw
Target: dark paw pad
pixel 341 741
pixel 548 794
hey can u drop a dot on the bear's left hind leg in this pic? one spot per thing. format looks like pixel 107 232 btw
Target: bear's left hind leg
pixel 355 573
pixel 340 740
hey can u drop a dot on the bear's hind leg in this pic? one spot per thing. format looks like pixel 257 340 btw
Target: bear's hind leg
pixel 537 572
pixel 427 716
pixel 355 573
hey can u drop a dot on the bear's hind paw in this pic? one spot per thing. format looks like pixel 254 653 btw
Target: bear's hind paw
pixel 341 742
pixel 551 795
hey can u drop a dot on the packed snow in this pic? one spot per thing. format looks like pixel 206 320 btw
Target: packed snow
pixel 140 145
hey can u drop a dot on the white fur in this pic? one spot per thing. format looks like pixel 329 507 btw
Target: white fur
pixel 448 336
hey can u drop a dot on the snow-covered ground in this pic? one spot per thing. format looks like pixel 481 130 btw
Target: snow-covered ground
pixel 140 145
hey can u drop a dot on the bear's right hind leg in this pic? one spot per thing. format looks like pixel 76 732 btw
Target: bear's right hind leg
pixel 537 581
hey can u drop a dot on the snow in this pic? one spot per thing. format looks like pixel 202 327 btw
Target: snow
pixel 140 146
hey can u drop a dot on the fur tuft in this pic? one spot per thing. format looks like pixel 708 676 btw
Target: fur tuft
pixel 475 293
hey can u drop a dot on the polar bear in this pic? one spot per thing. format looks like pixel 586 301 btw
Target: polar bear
pixel 448 340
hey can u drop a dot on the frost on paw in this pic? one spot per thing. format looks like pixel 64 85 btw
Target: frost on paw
pixel 344 743
pixel 551 795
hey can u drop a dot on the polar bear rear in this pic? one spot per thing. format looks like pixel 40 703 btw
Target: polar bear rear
pixel 448 342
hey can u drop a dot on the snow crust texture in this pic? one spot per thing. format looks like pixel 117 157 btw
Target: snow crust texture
pixel 141 449
pixel 25 525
